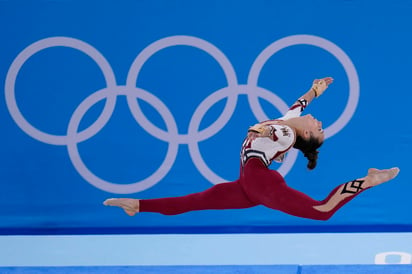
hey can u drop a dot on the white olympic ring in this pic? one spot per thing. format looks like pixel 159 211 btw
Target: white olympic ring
pixel 194 136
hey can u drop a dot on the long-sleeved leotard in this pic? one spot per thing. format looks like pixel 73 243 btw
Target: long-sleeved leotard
pixel 259 185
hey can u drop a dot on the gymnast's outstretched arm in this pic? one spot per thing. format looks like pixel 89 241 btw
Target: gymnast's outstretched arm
pixel 316 90
pixel 263 129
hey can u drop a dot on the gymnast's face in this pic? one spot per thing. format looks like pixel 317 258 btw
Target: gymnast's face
pixel 313 128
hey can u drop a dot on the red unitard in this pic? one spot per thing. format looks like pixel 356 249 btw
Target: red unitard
pixel 259 185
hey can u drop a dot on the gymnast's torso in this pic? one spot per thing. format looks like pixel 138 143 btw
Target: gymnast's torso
pixel 271 148
pixel 275 146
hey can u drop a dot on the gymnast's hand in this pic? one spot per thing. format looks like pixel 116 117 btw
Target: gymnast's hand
pixel 259 131
pixel 320 85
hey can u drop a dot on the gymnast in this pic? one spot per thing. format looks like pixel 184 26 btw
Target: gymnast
pixel 257 184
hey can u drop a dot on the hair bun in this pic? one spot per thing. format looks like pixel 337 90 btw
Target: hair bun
pixel 312 155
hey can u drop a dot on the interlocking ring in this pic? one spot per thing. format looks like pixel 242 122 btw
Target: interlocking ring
pixel 231 93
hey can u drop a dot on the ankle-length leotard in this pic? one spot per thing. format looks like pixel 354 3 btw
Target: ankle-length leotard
pixel 259 185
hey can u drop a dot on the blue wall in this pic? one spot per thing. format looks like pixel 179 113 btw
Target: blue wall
pixel 73 133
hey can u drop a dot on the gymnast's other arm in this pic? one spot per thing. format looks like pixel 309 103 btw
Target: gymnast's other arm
pixel 318 87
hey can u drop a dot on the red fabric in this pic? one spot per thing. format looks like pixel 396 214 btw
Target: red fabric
pixel 257 185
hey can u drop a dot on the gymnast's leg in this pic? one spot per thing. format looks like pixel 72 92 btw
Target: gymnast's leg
pixel 221 196
pixel 268 187
pixel 346 192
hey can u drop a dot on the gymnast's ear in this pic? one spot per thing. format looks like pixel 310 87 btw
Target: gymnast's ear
pixel 306 134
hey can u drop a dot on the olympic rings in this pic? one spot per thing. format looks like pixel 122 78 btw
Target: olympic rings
pixel 231 93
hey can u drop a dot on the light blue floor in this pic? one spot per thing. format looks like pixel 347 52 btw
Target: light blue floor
pixel 215 269
pixel 207 249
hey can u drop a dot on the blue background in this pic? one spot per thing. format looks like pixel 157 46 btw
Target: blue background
pixel 41 189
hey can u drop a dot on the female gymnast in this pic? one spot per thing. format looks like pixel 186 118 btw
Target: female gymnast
pixel 257 184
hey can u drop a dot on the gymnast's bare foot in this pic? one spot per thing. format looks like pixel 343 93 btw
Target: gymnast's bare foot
pixel 130 206
pixel 377 176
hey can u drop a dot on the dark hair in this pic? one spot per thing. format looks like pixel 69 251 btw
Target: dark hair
pixel 309 149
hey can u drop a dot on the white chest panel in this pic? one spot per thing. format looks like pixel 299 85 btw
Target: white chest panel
pixel 269 148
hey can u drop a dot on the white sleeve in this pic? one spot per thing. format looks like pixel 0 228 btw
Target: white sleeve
pixel 284 136
pixel 295 110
